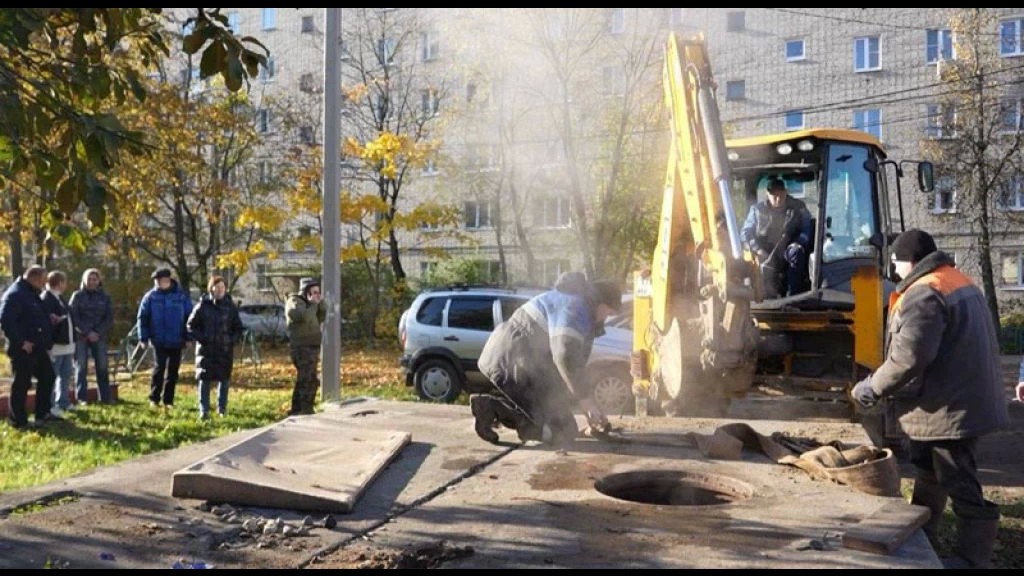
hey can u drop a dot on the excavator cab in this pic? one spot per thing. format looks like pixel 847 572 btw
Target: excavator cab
pixel 836 175
pixel 822 340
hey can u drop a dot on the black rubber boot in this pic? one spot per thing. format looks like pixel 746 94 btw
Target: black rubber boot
pixel 931 495
pixel 515 419
pixel 976 534
pixel 483 408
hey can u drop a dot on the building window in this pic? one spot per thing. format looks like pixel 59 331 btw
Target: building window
pixel 941 121
pixel 1012 114
pixel 269 18
pixel 869 121
pixel 235 23
pixel 266 171
pixel 614 80
pixel 865 54
pixel 1011 37
pixel 470 92
pixel 307 25
pixel 552 212
pixel 426 268
pixel 550 270
pixel 429 46
pixel 735 90
pixel 1013 272
pixel 430 104
pixel 945 195
pixel 1013 198
pixel 307 83
pixel 794 50
pixel 268 72
pixel 617 21
pixel 478 214
pixel 263 120
pixel 490 271
pixel 430 167
pixel 385 50
pixel 794 120
pixel 306 134
pixel 735 21
pixel 483 157
pixel 939 45
pixel 262 279
pixel 675 16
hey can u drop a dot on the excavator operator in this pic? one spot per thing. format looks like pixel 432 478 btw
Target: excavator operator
pixel 778 231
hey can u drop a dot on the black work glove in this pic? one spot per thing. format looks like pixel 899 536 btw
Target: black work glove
pixel 863 394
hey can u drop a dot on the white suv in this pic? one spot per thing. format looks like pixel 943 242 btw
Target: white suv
pixel 444 330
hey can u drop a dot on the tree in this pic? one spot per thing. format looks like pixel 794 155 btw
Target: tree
pixel 177 203
pixel 977 137
pixel 391 111
pixel 604 99
pixel 371 221
pixel 64 71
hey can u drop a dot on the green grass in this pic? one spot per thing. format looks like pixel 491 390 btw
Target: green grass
pixel 99 435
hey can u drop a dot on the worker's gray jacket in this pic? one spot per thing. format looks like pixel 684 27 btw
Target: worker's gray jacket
pixel 541 352
pixel 942 365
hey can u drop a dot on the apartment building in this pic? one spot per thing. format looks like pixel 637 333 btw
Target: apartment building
pixel 881 70
pixel 495 81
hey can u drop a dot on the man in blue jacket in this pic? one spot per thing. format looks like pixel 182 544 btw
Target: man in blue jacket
pixel 162 319
pixel 29 335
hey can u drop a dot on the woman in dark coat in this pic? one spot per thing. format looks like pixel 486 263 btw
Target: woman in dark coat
pixel 215 326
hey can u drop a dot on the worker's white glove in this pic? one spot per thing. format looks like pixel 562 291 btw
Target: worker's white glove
pixel 595 418
pixel 1020 391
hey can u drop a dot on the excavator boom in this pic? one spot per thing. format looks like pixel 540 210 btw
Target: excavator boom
pixel 694 337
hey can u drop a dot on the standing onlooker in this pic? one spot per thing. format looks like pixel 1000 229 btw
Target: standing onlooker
pixel 942 381
pixel 29 337
pixel 63 352
pixel 306 311
pixel 163 314
pixel 92 315
pixel 215 326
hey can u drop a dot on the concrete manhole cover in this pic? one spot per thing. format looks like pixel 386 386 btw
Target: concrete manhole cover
pixel 674 488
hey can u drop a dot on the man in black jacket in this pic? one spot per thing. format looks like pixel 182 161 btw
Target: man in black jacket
pixel 942 382
pixel 29 336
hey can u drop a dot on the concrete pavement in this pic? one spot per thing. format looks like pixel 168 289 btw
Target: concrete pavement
pixel 516 506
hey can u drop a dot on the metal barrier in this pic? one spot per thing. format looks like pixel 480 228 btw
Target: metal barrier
pixel 134 355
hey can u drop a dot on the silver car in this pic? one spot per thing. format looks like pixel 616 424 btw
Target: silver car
pixel 264 320
pixel 443 332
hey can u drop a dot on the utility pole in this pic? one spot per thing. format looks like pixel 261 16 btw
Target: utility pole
pixel 331 368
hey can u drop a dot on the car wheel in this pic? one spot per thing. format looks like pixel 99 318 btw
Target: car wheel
pixel 613 390
pixel 437 381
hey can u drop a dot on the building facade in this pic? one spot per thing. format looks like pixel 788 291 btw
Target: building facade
pixel 519 103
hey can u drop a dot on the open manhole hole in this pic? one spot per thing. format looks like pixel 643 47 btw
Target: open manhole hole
pixel 674 488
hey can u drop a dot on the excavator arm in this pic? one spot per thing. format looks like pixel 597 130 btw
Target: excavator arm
pixel 695 342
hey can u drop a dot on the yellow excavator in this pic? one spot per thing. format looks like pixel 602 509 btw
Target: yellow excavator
pixel 704 330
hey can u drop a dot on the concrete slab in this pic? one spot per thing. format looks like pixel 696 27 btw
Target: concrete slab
pixel 516 506
pixel 299 464
pixel 539 508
